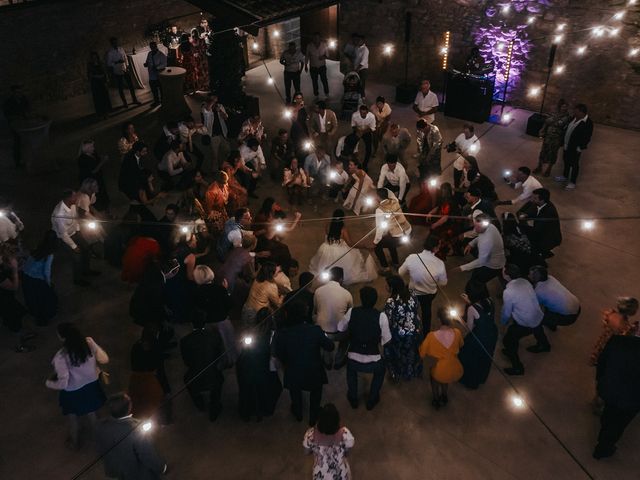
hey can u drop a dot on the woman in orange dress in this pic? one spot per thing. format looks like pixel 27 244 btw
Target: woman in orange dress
pixel 443 345
pixel 238 195
pixel 216 199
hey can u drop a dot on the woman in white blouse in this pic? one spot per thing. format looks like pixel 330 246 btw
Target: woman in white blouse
pixel 76 376
pixel 129 137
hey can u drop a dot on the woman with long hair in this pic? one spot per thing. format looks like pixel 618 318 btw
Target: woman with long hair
pixel 336 251
pixel 238 195
pixel 200 60
pixel 443 226
pixel 128 138
pixel 363 186
pixel 401 353
pixel 37 288
pixel 329 442
pixel 76 377
pixel 476 355
pixel 98 80
pixel 216 200
pixel 90 227
pixel 295 181
pixel 443 345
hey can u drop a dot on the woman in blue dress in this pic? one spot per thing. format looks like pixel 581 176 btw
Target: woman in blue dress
pixel 476 355
pixel 401 353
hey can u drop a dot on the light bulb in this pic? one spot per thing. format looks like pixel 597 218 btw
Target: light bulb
pixel 404 239
pixel 384 225
pixel 581 50
pixel 484 223
pixel 287 113
pixel 506 118
pixel 279 227
pixel 333 174
pixel 534 91
pixel 146 426
pixel 588 225
pixel 558 38
pixel 1 213
pixel 184 229
pixel 433 182
pixel 614 32
pixel 634 51
pixel 248 340
pixel 506 8
pixel 598 31
pixel 559 69
pixel 561 27
pixel 443 51
pixel 307 146
pixel 387 216
pixel 474 148
pixel 619 15
pixel 530 20
pixel 507 173
pixel 325 276
pixel 517 401
pixel 270 81
pixel 632 2
pixel 255 45
pixel 332 44
pixel 501 46
pixel 276 33
pixel 368 201
pixel 92 225
pixel 388 49
pixel 453 312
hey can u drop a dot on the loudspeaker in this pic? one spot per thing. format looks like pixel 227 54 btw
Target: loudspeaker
pixel 406 93
pixel 468 97
pixel 535 123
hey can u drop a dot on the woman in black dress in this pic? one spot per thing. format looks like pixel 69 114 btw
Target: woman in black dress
pixel 98 81
pixel 90 166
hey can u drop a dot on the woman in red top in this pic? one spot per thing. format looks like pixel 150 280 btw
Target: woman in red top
pixel 140 252
pixel 445 227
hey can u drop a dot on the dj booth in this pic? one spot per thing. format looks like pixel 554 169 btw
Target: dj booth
pixel 468 96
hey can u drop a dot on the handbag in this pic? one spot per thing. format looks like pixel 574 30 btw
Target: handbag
pixel 206 140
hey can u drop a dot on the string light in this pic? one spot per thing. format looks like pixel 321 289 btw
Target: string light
pixel 517 401
pixel 453 313
pixel 404 239
pixel 307 145
pixel 255 46
pixel 92 225
pixel 561 27
pixel 634 51
pixel 276 33
pixel 484 223
pixel 1 213
pixel 384 225
pixel 248 340
pixel 559 69
pixel 325 276
pixel 270 81
pixel 506 173
pixel 387 216
pixel 632 2
pixel 332 44
pixel 433 182
pixel 531 20
pixel 505 9
pixel 184 229
pixel 619 15
pixel 333 174
pixel 506 118
pixel 558 38
pixel 474 148
pixel 588 225
pixel 445 50
pixel 501 46
pixel 614 32
pixel 598 31
pixel 287 113
pixel 279 227
pixel 507 73
pixel 368 201
pixel 147 426
pixel 534 91
pixel 581 50
pixel 388 49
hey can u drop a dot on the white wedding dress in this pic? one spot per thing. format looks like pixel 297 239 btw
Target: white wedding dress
pixel 356 268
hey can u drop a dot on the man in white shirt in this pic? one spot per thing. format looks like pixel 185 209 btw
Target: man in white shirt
pixel 323 125
pixel 561 307
pixel 317 57
pixel 156 62
pixel 425 105
pixel 173 164
pixel 426 273
pixel 361 63
pixel 330 304
pixel 368 333
pixel 491 258
pixel 466 144
pixel 525 181
pixel 520 306
pixel 394 177
pixel 253 159
pixel 293 61
pixel 118 64
pixel 365 122
pixel 64 221
pixel 316 166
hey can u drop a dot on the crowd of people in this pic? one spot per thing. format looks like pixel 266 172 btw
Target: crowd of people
pixel 212 262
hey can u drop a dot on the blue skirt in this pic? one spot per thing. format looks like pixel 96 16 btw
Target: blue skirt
pixel 85 400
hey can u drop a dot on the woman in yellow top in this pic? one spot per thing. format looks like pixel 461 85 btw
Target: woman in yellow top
pixel 443 345
pixel 262 294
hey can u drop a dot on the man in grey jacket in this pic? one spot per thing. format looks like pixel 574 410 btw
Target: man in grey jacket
pixel 126 445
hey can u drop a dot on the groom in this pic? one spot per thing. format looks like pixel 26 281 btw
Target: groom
pixel 392 228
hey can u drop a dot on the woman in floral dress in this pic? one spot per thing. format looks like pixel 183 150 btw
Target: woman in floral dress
pixel 329 443
pixel 401 353
pixel 200 60
pixel 238 195
pixel 552 133
pixel 216 202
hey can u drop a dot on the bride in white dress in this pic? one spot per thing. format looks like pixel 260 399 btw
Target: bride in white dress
pixel 358 267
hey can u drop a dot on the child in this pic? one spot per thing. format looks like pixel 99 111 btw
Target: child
pixel 338 179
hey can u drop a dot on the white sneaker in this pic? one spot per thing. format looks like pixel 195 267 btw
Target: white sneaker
pixel 560 178
pixel 570 186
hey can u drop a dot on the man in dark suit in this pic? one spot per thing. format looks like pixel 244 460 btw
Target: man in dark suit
pixel 298 347
pixel 618 377
pixel 131 178
pixel 545 233
pixel 476 203
pixel 304 294
pixel 128 451
pixel 200 349
pixel 576 139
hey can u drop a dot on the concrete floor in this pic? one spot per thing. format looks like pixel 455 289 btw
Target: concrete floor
pixel 478 436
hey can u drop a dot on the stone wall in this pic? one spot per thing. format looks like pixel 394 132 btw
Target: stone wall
pixel 49 42
pixel 605 77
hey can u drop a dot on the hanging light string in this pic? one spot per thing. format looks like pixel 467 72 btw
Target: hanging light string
pixel 246 336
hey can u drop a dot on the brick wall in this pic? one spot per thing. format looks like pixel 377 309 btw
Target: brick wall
pixel 605 78
pixel 51 41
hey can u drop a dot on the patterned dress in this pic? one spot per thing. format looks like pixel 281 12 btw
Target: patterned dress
pixel 329 453
pixel 216 200
pixel 401 353
pixel 553 129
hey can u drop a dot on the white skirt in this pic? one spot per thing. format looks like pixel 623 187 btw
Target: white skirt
pixel 357 268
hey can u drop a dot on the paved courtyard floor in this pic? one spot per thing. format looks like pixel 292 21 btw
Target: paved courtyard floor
pixel 479 435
